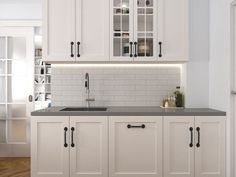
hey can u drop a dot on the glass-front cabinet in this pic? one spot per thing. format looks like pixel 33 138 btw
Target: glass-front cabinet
pixel 134 30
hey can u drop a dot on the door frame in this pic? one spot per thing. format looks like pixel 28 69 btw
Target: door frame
pixel 232 111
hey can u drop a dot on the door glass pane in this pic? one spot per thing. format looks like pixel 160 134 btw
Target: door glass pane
pixel 2 47
pixel 149 47
pixel 17 67
pixel 2 89
pixel 149 3
pixel 2 66
pixel 16 111
pixel 17 89
pixel 16 48
pixel 3 111
pixel 117 23
pixel 2 131
pixel 117 3
pixel 17 130
pixel 141 3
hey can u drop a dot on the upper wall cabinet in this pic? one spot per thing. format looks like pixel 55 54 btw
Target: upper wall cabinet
pixel 149 30
pixel 75 30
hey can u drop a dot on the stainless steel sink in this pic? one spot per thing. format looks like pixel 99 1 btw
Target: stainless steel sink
pixel 84 109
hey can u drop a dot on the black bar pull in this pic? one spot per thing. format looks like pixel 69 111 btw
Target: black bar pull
pixel 191 135
pixel 131 47
pixel 72 137
pixel 198 135
pixel 135 49
pixel 136 126
pixel 160 49
pixel 65 143
pixel 78 44
pixel 72 49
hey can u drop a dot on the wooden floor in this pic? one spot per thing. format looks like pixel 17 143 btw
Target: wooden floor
pixel 14 167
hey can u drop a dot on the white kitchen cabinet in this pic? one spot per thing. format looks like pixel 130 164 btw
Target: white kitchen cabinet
pixel 178 155
pixel 69 146
pixel 194 146
pixel 75 30
pixel 174 30
pixel 58 30
pixel 88 151
pixel 149 30
pixel 135 146
pixel 50 146
pixel 210 152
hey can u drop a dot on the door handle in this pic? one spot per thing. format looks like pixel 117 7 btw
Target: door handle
pixel 30 98
pixel 135 49
pixel 198 136
pixel 136 126
pixel 233 92
pixel 131 47
pixel 160 49
pixel 191 137
pixel 65 143
pixel 72 49
pixel 72 137
pixel 78 44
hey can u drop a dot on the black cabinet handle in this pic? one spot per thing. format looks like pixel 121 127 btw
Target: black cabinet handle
pixel 198 136
pixel 72 49
pixel 131 47
pixel 135 49
pixel 72 137
pixel 78 44
pixel 136 126
pixel 160 49
pixel 191 135
pixel 65 143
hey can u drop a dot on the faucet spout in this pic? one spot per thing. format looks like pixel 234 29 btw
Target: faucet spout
pixel 88 99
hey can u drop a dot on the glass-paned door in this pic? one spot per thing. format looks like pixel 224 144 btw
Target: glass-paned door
pixel 145 37
pixel 16 84
pixel 122 29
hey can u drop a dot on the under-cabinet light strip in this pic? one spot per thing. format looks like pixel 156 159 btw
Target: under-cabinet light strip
pixel 117 65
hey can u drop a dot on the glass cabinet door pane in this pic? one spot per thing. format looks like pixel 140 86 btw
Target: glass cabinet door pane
pixel 16 48
pixel 2 47
pixel 121 28
pixel 15 111
pixel 145 28
pixel 17 131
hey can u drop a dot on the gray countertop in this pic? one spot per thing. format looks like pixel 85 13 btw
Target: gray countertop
pixel 131 111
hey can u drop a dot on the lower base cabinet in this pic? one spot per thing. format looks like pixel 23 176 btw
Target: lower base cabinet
pixel 194 146
pixel 139 146
pixel 69 146
pixel 135 146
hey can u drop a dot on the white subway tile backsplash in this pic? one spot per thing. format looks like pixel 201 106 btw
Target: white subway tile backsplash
pixel 116 86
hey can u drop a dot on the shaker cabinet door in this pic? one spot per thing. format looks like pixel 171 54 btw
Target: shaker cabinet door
pixel 92 30
pixel 59 30
pixel 88 146
pixel 209 146
pixel 178 146
pixel 135 146
pixel 50 146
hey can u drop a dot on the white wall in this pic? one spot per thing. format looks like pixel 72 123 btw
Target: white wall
pixel 219 85
pixel 197 69
pixel 20 10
